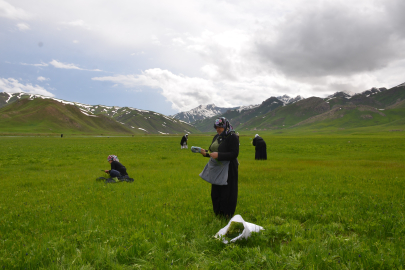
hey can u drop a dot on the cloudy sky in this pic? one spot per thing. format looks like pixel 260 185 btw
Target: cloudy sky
pixel 171 56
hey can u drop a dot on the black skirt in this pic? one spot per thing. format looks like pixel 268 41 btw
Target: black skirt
pixel 225 198
pixel 261 153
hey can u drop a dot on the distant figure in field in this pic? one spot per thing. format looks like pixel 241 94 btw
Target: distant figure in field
pixel 117 169
pixel 183 142
pixel 261 150
pixel 61 135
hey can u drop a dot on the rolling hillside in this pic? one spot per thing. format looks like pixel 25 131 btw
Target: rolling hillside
pixel 120 119
pixel 287 116
pixel 50 116
pixel 370 108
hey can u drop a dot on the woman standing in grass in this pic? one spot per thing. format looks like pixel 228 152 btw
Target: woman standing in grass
pixel 224 149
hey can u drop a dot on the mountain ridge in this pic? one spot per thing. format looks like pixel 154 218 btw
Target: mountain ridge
pixel 281 112
pixel 136 120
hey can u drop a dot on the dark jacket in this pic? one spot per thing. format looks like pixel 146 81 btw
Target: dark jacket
pixel 184 139
pixel 115 165
pixel 259 142
pixel 225 198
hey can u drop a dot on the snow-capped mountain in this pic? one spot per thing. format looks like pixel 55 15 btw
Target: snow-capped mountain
pixel 338 95
pixel 206 111
pixel 248 107
pixel 201 112
pixel 287 99
pixel 366 93
pixel 372 91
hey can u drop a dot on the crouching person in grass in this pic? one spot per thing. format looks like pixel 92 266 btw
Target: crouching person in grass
pixel 118 171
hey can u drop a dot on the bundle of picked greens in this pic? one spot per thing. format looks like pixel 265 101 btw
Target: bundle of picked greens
pixel 235 229
pixel 195 149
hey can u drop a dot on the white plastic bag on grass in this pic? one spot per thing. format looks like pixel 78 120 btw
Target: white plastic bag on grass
pixel 249 228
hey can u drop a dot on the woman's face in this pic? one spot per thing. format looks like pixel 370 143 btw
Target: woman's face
pixel 219 129
pixel 110 161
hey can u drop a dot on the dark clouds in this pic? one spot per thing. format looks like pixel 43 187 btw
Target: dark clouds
pixel 334 39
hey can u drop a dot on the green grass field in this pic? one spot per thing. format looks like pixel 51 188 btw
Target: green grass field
pixel 325 201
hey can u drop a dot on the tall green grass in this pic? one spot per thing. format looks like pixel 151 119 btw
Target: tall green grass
pixel 326 202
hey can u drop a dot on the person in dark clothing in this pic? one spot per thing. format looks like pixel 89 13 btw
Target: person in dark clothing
pixel 118 172
pixel 261 150
pixel 225 146
pixel 183 142
pixel 117 169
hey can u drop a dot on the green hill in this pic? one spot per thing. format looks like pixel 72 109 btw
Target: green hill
pixel 151 122
pixel 50 116
pixel 354 116
pixel 391 97
pixel 287 116
pixel 25 113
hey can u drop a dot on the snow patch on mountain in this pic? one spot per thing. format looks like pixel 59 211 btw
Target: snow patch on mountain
pixel 288 100
pixel 9 96
pixel 249 107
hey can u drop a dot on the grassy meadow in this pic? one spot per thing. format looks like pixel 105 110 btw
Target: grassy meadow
pixel 326 202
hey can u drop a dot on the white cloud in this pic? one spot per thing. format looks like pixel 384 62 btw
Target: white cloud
pixel 58 64
pixel 10 12
pixel 11 85
pixel 186 93
pixel 79 23
pixel 41 79
pixel 61 65
pixel 35 65
pixel 138 53
pixel 23 26
pixel 75 41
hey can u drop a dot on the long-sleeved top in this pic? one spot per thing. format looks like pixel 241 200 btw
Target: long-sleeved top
pixel 115 165
pixel 259 142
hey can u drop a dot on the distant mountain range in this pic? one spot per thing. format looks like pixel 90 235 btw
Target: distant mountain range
pixel 284 112
pixel 206 111
pixel 377 107
pixel 40 114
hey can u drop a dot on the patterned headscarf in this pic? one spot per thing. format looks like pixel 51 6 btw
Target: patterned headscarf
pixel 113 158
pixel 223 122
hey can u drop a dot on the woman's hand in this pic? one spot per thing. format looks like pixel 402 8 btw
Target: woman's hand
pixel 203 152
pixel 214 155
pixel 106 171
